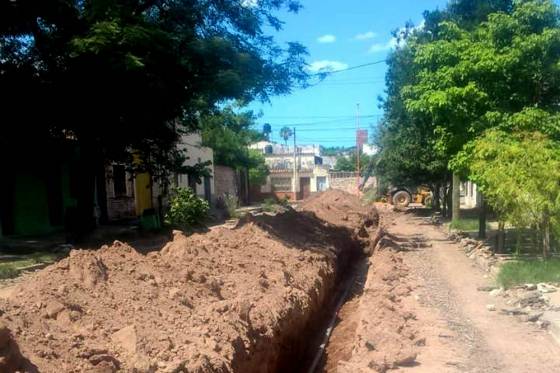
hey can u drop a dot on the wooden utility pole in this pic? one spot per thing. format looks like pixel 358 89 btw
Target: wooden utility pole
pixel 358 143
pixel 294 182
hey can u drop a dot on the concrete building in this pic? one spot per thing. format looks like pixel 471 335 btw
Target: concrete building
pixel 196 154
pixel 470 197
pixel 311 174
pixel 130 196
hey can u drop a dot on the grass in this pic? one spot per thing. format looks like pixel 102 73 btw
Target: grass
pixel 11 268
pixel 529 272
pixel 465 225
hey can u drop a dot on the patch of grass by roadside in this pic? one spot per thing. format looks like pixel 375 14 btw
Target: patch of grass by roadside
pixel 529 272
pixel 11 269
pixel 465 225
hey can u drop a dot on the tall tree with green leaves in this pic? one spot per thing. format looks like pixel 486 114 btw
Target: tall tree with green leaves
pixel 123 78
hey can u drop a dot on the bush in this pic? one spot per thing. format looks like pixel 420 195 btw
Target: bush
pixel 232 203
pixel 186 209
pixel 269 205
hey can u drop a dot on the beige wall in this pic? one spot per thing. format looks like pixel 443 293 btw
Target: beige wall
pixel 196 153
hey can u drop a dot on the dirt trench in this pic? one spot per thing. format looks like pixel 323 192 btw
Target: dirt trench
pixel 251 299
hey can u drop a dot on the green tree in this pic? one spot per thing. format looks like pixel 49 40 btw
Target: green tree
pixel 124 78
pixel 286 133
pixel 229 133
pixel 519 173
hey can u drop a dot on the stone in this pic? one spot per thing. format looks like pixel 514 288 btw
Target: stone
pixel 491 307
pixel 529 298
pixel 370 345
pixel 513 311
pixel 486 289
pixel 496 292
pixel 126 338
pixel 53 309
pixel 534 316
pixel 545 288
pixel 530 286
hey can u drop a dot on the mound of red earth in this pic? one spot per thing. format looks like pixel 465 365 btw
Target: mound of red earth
pixel 341 208
pixel 227 300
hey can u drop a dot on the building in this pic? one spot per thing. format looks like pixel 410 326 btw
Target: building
pixel 130 196
pixel 470 197
pixel 311 175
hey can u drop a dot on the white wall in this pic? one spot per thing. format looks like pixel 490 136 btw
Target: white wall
pixel 196 153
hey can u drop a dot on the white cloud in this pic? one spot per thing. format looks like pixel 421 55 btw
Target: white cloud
pixel 328 38
pixel 326 66
pixel 365 36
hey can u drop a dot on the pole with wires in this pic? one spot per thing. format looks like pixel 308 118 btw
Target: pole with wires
pixel 294 185
pixel 358 140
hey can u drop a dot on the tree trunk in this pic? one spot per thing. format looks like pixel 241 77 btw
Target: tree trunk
pixel 456 198
pixel 445 205
pixel 482 219
pixel 500 238
pixel 436 200
pixel 546 235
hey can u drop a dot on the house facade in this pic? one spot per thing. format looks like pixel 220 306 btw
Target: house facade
pixel 308 176
pixel 130 196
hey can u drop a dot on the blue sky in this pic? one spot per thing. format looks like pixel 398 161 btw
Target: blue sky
pixel 339 34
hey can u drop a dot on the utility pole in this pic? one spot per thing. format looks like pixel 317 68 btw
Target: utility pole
pixel 294 185
pixel 358 143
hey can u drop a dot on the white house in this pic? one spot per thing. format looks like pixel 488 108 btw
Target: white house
pixel 197 153
pixel 311 174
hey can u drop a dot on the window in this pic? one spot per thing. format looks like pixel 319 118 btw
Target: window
pixel 321 183
pixel 268 149
pixel 281 184
pixel 119 180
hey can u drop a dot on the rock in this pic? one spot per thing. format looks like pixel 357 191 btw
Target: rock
pixel 486 289
pixel 534 316
pixel 545 288
pixel 53 309
pixel 496 292
pixel 529 298
pixel 126 338
pixel 513 311
pixel 491 307
pixel 370 345
pixel 405 359
pixel 530 286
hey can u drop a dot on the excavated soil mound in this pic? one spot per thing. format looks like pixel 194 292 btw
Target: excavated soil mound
pixel 240 300
pixel 341 208
pixel 386 336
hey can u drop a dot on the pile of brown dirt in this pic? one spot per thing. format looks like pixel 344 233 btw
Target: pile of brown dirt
pixel 341 208
pixel 239 300
pixel 385 336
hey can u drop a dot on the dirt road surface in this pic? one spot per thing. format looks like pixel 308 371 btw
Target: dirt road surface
pixel 461 334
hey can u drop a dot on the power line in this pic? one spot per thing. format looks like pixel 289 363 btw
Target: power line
pixel 325 74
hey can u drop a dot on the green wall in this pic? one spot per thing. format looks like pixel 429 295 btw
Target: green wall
pixel 31 210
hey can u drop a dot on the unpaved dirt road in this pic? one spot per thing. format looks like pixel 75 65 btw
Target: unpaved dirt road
pixel 461 334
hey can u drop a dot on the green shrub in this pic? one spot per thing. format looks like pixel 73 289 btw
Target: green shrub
pixel 269 205
pixel 186 209
pixel 232 203
pixel 8 270
pixel 465 225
